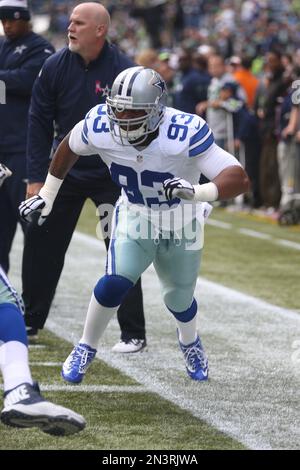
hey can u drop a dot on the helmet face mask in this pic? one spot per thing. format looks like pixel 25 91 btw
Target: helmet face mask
pixel 136 89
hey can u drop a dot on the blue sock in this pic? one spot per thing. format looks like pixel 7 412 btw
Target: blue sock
pixel 12 325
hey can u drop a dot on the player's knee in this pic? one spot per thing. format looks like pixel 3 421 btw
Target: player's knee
pixel 182 311
pixel 111 290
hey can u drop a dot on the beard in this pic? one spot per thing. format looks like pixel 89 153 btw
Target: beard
pixel 73 47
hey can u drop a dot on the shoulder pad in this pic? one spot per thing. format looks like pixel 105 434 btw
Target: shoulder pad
pixel 95 124
pixel 183 133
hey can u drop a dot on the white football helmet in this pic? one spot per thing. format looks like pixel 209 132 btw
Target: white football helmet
pixel 136 88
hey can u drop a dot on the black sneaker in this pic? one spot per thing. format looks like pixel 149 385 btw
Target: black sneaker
pixel 32 333
pixel 25 407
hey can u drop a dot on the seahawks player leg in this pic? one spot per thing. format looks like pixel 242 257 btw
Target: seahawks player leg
pixel 24 406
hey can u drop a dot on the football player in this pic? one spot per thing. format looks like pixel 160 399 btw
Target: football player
pixel 156 154
pixel 24 406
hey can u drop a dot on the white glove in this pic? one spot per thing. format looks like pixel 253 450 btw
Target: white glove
pixel 34 205
pixel 42 202
pixel 178 187
pixel 4 173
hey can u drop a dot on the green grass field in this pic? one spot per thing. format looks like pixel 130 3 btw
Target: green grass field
pixel 119 420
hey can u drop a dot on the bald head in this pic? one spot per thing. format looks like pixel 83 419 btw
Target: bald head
pixel 93 12
pixel 89 24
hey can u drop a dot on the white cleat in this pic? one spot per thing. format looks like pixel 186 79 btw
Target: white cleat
pixel 24 407
pixel 131 346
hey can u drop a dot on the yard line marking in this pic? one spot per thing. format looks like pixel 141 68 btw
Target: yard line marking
pixel 219 223
pixel 91 388
pixel 288 244
pixel 94 388
pixel 36 346
pixel 255 234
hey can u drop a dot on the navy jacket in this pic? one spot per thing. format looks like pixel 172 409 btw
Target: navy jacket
pixel 191 90
pixel 20 63
pixel 64 92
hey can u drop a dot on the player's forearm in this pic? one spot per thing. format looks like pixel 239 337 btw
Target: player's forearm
pixel 228 184
pixel 61 163
pixel 63 159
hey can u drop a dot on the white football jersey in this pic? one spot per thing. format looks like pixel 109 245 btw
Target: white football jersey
pixel 184 147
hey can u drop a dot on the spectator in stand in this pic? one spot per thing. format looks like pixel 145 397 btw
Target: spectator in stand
pixel 192 83
pixel 246 143
pixel 147 58
pixel 247 80
pixel 269 97
pixel 153 16
pixel 216 115
pixel 288 147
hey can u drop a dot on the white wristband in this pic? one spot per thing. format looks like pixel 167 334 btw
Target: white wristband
pixel 51 187
pixel 207 192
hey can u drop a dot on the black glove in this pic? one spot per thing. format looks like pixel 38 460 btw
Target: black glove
pixel 31 206
pixel 178 187
pixel 4 173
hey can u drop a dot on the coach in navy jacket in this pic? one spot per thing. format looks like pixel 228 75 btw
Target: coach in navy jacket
pixel 22 54
pixel 71 82
pixel 66 89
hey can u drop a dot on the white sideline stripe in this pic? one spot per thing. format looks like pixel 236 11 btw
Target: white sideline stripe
pixel 255 234
pixel 36 346
pixel 253 387
pixel 94 388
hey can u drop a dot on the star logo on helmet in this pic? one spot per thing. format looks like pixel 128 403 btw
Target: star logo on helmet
pixel 161 85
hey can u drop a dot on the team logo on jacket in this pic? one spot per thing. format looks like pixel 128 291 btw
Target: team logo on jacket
pixel 139 158
pixel 20 49
pixel 100 90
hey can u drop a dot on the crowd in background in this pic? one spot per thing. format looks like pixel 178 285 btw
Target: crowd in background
pixel 233 62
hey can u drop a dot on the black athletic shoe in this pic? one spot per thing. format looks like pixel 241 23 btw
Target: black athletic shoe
pixel 32 333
